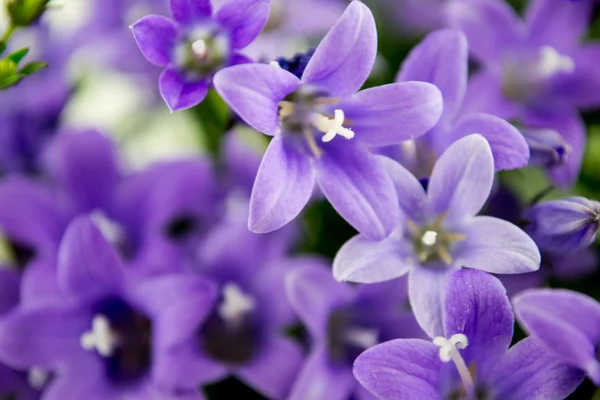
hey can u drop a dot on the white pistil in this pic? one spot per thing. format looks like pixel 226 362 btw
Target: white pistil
pixel 429 238
pixel 199 48
pixel 551 62
pixel 363 338
pixel 111 230
pixel 274 64
pixel 332 127
pixel 449 352
pixel 235 303
pixel 37 377
pixel 101 337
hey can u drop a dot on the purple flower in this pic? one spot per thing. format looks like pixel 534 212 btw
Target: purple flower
pixel 537 71
pixel 471 359
pixel 566 322
pixel 343 321
pixel 109 335
pixel 442 59
pixel 563 226
pixel 324 102
pixel 440 232
pixel 196 45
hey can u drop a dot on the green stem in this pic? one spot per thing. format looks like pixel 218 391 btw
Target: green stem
pixel 8 33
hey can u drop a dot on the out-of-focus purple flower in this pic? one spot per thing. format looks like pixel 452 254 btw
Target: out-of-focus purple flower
pixel 109 336
pixel 537 71
pixel 343 321
pixel 471 358
pixel 548 148
pixel 196 44
pixel 566 322
pixel 440 232
pixel 442 59
pixel 324 102
pixel 563 226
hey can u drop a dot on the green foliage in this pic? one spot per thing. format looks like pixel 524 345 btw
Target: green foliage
pixel 25 12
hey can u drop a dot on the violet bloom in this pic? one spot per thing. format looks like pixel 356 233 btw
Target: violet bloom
pixel 563 226
pixel 471 359
pixel 566 322
pixel 109 337
pixel 324 102
pixel 440 232
pixel 537 71
pixel 343 321
pixel 442 59
pixel 196 44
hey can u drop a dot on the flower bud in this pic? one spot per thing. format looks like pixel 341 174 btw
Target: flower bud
pixel 25 12
pixel 547 147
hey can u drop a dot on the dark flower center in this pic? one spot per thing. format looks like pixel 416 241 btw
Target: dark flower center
pixel 347 337
pixel 297 64
pixel 180 227
pixel 21 254
pixel 202 52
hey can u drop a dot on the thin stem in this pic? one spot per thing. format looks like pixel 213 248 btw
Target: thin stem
pixel 465 374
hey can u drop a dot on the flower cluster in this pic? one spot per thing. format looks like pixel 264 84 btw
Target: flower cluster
pixel 338 233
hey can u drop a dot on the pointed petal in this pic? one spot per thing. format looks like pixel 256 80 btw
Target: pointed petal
pixel 253 91
pixel 358 188
pixel 484 94
pixel 343 60
pixel 490 26
pixel 529 371
pixel 497 246
pixel 582 88
pixel 314 294
pixel 462 177
pixel 283 186
pixel 244 19
pixel 187 12
pixel 509 148
pixel 364 260
pixel 441 58
pixel 179 94
pixel 273 371
pixel 426 292
pixel 155 35
pixel 88 266
pixel 320 379
pixel 406 369
pixel 389 114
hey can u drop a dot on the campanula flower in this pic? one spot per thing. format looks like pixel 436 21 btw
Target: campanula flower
pixel 321 128
pixel 196 44
pixel 439 232
pixel 471 358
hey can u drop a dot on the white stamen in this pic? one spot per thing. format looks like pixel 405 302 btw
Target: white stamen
pixel 363 338
pixel 274 64
pixel 111 230
pixel 449 352
pixel 235 303
pixel 429 238
pixel 552 62
pixel 101 337
pixel 332 127
pixel 37 377
pixel 199 48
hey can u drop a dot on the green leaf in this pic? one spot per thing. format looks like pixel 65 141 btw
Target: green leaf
pixel 2 46
pixel 18 55
pixel 10 80
pixel 32 67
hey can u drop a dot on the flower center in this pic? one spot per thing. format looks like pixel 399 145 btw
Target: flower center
pixel 296 65
pixel 432 242
pixel 449 352
pixel 202 52
pixel 347 338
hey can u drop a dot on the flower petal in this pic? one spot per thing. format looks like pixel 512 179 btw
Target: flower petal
pixel 497 246
pixel 509 148
pixel 253 91
pixel 462 177
pixel 358 188
pixel 389 114
pixel 189 11
pixel 155 35
pixel 88 266
pixel 244 18
pixel 179 94
pixel 368 261
pixel 284 184
pixel 406 369
pixel 343 60
pixel 441 58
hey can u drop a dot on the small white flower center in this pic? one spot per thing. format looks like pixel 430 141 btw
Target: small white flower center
pixel 551 62
pixel 112 231
pixel 37 377
pixel 199 48
pixel 332 127
pixel 101 337
pixel 449 352
pixel 429 238
pixel 363 338
pixel 235 303
pixel 274 64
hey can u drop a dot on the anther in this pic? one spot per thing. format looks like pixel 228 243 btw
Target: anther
pixel 101 337
pixel 449 352
pixel 235 303
pixel 332 127
pixel 429 238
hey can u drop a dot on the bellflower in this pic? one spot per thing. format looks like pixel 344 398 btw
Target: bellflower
pixel 324 102
pixel 471 359
pixel 563 226
pixel 196 44
pixel 567 322
pixel 442 59
pixel 440 232
pixel 537 71
pixel 109 335
pixel 343 321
